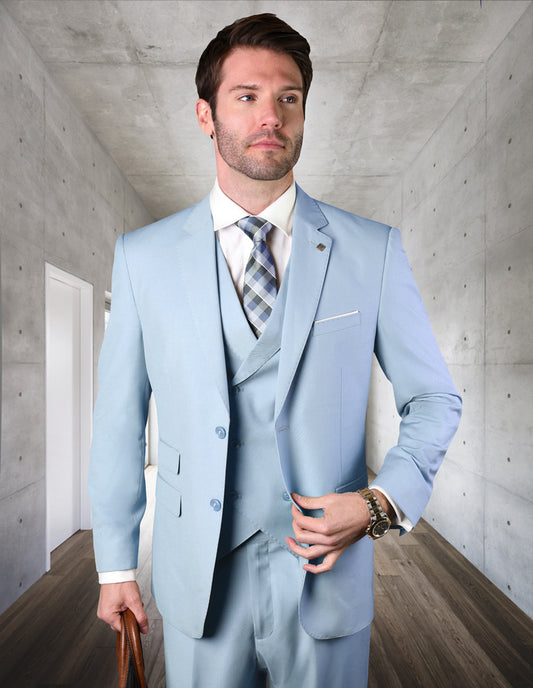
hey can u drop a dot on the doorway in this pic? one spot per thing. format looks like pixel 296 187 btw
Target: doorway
pixel 69 384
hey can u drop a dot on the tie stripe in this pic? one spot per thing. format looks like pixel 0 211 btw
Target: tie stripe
pixel 260 283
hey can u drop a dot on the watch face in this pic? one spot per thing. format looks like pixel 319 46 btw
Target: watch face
pixel 381 528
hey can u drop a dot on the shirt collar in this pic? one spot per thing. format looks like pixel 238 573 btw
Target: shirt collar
pixel 226 212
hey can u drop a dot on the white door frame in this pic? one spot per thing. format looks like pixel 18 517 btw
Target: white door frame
pixel 85 290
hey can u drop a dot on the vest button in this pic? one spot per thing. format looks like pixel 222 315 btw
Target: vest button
pixel 221 432
pixel 215 504
pixel 286 497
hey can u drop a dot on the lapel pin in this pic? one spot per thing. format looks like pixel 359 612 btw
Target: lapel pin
pixel 321 247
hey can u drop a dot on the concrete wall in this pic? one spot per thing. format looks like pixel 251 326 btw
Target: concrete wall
pixel 465 208
pixel 64 201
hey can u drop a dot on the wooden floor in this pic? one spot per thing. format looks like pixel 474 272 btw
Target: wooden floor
pixel 439 623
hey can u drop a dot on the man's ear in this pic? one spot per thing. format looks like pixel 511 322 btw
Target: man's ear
pixel 205 120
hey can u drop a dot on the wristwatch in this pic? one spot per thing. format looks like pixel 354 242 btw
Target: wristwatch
pixel 379 521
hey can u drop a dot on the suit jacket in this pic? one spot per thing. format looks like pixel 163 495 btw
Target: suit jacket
pixel 350 294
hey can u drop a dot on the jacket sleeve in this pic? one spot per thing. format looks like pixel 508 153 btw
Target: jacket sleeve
pixel 425 395
pixel 116 474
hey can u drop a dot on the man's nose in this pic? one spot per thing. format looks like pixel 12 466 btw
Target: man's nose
pixel 271 115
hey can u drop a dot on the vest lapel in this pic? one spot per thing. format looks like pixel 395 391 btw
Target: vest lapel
pixel 245 353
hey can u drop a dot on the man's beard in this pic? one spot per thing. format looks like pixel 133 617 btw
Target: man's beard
pixel 233 152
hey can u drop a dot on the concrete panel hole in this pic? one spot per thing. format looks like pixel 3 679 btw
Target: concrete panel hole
pixel 508 396
pixel 466 129
pixel 510 77
pixel 20 205
pixel 510 140
pixel 508 523
pixel 508 459
pixel 20 458
pixel 509 268
pixel 510 204
pixel 508 331
pixel 20 77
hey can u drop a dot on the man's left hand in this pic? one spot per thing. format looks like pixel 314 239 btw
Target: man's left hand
pixel 345 520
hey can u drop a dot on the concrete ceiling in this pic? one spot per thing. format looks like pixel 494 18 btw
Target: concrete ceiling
pixel 386 75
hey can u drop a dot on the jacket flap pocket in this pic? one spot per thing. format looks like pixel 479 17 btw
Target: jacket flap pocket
pixel 354 485
pixel 168 457
pixel 168 496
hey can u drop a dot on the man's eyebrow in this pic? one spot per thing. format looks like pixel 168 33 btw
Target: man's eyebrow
pixel 257 87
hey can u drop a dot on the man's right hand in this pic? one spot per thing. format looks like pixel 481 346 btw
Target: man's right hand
pixel 116 598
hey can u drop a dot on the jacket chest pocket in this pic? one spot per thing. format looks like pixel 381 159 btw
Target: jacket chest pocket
pixel 336 322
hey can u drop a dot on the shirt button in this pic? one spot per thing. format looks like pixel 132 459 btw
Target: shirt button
pixel 221 432
pixel 215 504
pixel 286 497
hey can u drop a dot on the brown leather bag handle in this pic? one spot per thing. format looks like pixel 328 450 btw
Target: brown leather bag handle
pixel 130 653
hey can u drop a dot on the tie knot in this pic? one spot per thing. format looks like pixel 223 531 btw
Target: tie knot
pixel 255 227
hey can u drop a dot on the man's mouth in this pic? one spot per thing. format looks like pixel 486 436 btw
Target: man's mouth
pixel 268 143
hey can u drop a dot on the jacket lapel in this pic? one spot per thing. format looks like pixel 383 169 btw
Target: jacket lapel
pixel 309 260
pixel 196 255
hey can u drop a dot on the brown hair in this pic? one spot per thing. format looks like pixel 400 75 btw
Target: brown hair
pixel 258 31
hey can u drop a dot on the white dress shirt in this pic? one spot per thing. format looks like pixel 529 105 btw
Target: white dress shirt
pixel 236 247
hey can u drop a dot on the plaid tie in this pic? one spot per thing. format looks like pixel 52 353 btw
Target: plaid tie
pixel 260 284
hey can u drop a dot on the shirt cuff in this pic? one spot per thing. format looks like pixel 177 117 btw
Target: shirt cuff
pixel 399 518
pixel 116 576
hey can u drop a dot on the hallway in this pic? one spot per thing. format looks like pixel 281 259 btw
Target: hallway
pixel 439 623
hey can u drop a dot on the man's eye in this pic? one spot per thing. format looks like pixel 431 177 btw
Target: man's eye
pixel 289 99
pixel 246 98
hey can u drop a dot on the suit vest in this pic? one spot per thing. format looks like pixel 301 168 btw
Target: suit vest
pixel 255 496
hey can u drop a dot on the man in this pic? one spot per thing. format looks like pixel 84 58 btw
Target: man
pixel 253 317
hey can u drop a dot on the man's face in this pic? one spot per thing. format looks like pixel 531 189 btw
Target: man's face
pixel 258 125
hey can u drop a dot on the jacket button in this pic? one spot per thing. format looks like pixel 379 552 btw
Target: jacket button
pixel 286 497
pixel 215 504
pixel 221 432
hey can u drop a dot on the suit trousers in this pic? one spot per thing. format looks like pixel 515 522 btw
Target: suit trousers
pixel 253 631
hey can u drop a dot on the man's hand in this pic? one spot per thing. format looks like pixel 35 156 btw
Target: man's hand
pixel 346 517
pixel 116 598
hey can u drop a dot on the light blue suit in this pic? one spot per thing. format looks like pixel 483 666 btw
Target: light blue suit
pixel 350 293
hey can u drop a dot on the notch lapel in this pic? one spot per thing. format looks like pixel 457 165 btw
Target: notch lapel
pixel 196 255
pixel 308 265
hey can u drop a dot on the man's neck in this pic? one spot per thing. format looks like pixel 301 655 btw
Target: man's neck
pixel 255 195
